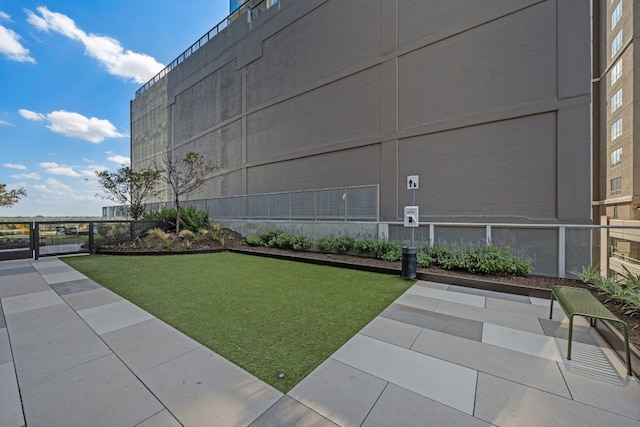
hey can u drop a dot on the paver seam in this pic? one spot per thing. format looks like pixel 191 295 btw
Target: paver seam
pixel 161 410
pixel 301 403
pixel 15 370
pixel 376 402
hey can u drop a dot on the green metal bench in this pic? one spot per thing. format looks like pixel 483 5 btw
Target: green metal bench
pixel 580 302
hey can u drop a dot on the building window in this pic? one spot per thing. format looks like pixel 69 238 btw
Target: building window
pixel 616 43
pixel 616 100
pixel 616 157
pixel 616 71
pixel 616 129
pixel 616 186
pixel 616 14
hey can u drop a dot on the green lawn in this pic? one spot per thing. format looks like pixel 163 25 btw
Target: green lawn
pixel 268 316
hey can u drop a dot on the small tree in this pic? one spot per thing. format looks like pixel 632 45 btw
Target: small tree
pixel 10 198
pixel 129 187
pixel 186 176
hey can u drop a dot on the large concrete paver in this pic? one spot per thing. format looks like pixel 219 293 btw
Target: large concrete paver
pixel 10 406
pixel 100 392
pixel 506 403
pixel 339 392
pixel 201 388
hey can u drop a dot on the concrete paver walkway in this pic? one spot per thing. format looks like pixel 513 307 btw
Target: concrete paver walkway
pixel 73 353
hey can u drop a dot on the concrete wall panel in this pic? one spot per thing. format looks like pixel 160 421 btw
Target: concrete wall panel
pixel 345 110
pixel 221 146
pixel 340 168
pixel 471 173
pixel 335 36
pixel 436 20
pixel 502 64
pixel 212 100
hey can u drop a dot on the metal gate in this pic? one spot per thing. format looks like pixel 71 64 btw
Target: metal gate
pixel 15 240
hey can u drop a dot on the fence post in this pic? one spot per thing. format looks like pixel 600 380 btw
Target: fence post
pixel 488 235
pixel 92 249
pixel 561 252
pixel 36 241
pixel 604 246
pixel 432 234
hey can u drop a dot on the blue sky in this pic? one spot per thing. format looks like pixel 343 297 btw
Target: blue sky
pixel 68 70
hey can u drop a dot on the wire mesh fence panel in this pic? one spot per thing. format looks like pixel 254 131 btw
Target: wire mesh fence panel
pixel 331 204
pixel 303 205
pixel 341 204
pixel 362 203
pixel 279 205
pixel 257 206
pixel 539 245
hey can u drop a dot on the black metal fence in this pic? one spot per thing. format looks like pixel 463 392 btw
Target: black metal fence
pixel 19 240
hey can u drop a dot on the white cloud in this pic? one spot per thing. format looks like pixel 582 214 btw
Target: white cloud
pixel 53 186
pixel 32 175
pixel 118 159
pixel 132 66
pixel 90 171
pixel 57 169
pixel 10 45
pixel 76 125
pixel 30 115
pixel 3 123
pixel 14 166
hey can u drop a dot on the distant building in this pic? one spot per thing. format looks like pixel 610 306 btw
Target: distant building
pixel 616 159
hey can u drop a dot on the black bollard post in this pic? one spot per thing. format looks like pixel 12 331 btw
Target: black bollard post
pixel 409 262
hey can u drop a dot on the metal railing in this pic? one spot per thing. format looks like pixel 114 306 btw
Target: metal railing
pixel 250 8
pixel 46 238
pixel 357 203
pixel 553 249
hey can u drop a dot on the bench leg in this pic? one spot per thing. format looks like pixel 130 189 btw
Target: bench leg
pixel 626 346
pixel 570 337
pixel 551 309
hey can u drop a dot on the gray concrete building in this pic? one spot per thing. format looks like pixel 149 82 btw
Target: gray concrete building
pixel 489 102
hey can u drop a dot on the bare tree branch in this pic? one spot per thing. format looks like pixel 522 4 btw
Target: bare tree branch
pixel 10 198
pixel 186 176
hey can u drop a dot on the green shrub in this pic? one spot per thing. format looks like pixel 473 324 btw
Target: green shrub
pixel 387 250
pixel 344 243
pixel 190 218
pixel 193 219
pixel 474 259
pixel 325 244
pixel 301 243
pixel 166 214
pixel 424 260
pixel 269 237
pixel 283 241
pixel 365 246
pixel 255 240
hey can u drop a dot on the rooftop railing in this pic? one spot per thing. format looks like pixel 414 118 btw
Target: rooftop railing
pixel 250 8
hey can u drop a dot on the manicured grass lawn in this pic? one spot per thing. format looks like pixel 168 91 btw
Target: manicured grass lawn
pixel 268 316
